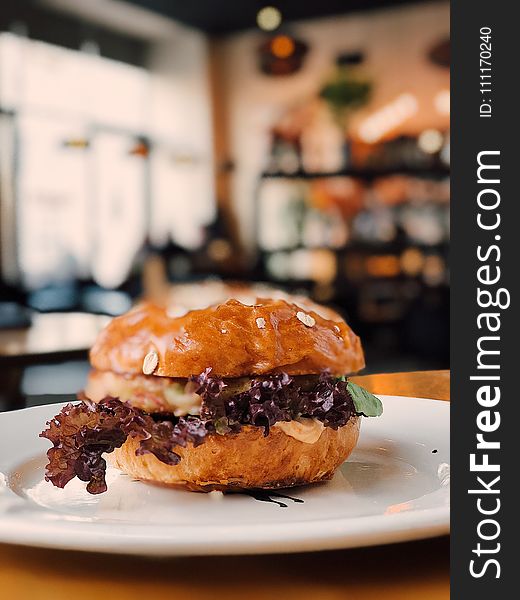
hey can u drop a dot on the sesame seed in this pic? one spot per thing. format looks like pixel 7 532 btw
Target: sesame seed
pixel 223 331
pixel 174 312
pixel 305 319
pixel 150 362
pixel 260 323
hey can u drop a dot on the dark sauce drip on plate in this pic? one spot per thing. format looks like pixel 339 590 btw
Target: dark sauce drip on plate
pixel 269 496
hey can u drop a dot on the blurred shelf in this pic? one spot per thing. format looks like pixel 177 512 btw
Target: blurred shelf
pixel 364 246
pixel 367 174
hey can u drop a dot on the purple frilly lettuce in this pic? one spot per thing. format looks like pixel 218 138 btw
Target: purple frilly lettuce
pixel 82 433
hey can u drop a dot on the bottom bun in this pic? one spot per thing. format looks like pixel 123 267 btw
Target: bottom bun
pixel 244 460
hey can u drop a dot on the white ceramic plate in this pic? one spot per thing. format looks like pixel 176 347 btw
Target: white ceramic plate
pixel 394 487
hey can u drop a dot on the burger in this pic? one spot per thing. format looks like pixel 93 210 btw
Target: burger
pixel 228 397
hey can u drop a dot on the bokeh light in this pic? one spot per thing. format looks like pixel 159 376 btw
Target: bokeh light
pixel 282 46
pixel 269 18
pixel 442 102
pixel 430 141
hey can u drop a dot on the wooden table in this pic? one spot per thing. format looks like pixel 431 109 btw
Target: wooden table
pixel 414 571
pixel 51 337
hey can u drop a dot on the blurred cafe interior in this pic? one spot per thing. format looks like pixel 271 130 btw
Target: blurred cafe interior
pixel 196 148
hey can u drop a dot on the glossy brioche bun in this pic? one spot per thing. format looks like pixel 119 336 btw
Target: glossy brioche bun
pixel 237 461
pixel 233 339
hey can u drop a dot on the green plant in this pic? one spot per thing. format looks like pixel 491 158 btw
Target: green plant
pixel 344 93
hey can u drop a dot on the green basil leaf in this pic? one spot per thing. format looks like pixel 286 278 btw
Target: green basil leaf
pixel 366 403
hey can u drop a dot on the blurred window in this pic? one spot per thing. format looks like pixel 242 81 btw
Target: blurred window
pixel 92 174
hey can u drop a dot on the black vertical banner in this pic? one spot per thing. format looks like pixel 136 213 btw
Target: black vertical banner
pixel 485 269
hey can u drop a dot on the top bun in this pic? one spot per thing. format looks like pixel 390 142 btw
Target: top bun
pixel 233 339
